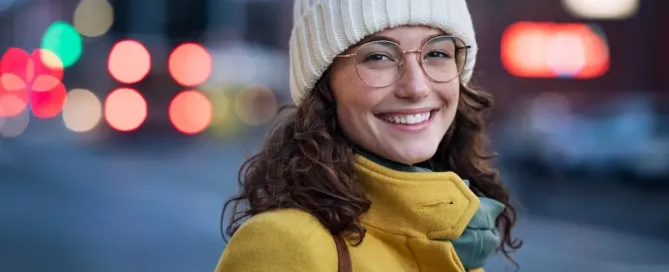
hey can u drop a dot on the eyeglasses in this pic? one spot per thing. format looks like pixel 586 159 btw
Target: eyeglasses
pixel 381 63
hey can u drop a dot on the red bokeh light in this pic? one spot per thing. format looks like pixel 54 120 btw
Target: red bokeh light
pixel 125 109
pixel 548 50
pixel 190 64
pixel 129 61
pixel 190 112
pixel 33 79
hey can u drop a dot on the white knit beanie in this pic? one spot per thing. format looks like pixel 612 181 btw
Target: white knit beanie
pixel 324 29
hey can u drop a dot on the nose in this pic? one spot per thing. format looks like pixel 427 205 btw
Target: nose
pixel 413 84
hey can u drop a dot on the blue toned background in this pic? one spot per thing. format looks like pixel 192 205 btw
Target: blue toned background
pixel 122 163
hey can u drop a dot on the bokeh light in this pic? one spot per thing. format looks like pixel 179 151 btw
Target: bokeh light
pixel 602 9
pixel 33 80
pixel 47 97
pixel 82 110
pixel 12 103
pixel 190 112
pixel 15 125
pixel 13 95
pixel 567 54
pixel 221 107
pixel 224 122
pixel 129 61
pixel 125 109
pixel 190 64
pixel 51 61
pixel 547 50
pixel 256 105
pixel 63 39
pixel 27 67
pixel 93 18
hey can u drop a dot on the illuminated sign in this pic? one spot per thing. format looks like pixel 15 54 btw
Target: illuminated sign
pixel 554 50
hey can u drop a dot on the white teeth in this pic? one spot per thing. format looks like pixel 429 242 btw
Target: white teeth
pixel 408 119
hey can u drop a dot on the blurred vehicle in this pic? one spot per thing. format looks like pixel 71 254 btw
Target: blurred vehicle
pixel 621 140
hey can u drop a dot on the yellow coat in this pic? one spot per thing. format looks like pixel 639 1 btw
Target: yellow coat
pixel 409 211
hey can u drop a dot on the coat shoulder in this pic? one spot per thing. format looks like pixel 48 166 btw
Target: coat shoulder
pixel 282 239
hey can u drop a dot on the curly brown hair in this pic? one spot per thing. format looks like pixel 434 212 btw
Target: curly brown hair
pixel 308 164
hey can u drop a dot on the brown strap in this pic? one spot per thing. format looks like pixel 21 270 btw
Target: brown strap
pixel 344 258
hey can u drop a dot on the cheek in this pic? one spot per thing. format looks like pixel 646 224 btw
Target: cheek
pixel 352 96
pixel 449 93
pixel 343 84
pixel 453 89
pixel 349 98
pixel 352 110
pixel 352 120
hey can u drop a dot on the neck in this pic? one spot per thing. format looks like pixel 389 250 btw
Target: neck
pixel 390 163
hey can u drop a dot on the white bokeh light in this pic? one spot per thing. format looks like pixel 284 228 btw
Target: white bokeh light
pixel 602 9
pixel 82 110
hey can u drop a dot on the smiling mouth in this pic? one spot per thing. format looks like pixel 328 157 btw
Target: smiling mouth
pixel 408 119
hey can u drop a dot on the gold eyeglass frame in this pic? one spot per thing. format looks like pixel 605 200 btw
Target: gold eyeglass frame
pixel 420 60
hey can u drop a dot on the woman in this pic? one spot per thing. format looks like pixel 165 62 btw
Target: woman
pixel 384 120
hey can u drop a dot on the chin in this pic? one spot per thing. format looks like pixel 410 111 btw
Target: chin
pixel 414 156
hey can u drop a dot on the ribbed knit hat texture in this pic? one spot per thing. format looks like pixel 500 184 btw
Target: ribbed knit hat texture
pixel 323 29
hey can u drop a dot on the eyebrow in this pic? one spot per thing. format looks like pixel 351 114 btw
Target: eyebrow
pixel 375 38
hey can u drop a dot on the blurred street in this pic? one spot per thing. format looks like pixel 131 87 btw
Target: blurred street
pixel 120 157
pixel 67 207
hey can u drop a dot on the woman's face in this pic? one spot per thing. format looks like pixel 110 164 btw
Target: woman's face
pixel 390 121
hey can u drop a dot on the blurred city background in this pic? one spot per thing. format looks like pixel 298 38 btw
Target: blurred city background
pixel 123 124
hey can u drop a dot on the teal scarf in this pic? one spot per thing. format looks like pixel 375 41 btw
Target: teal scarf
pixel 481 238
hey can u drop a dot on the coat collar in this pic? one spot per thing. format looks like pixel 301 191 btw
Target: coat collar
pixel 434 205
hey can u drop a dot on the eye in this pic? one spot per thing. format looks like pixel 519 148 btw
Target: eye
pixel 437 54
pixel 377 57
